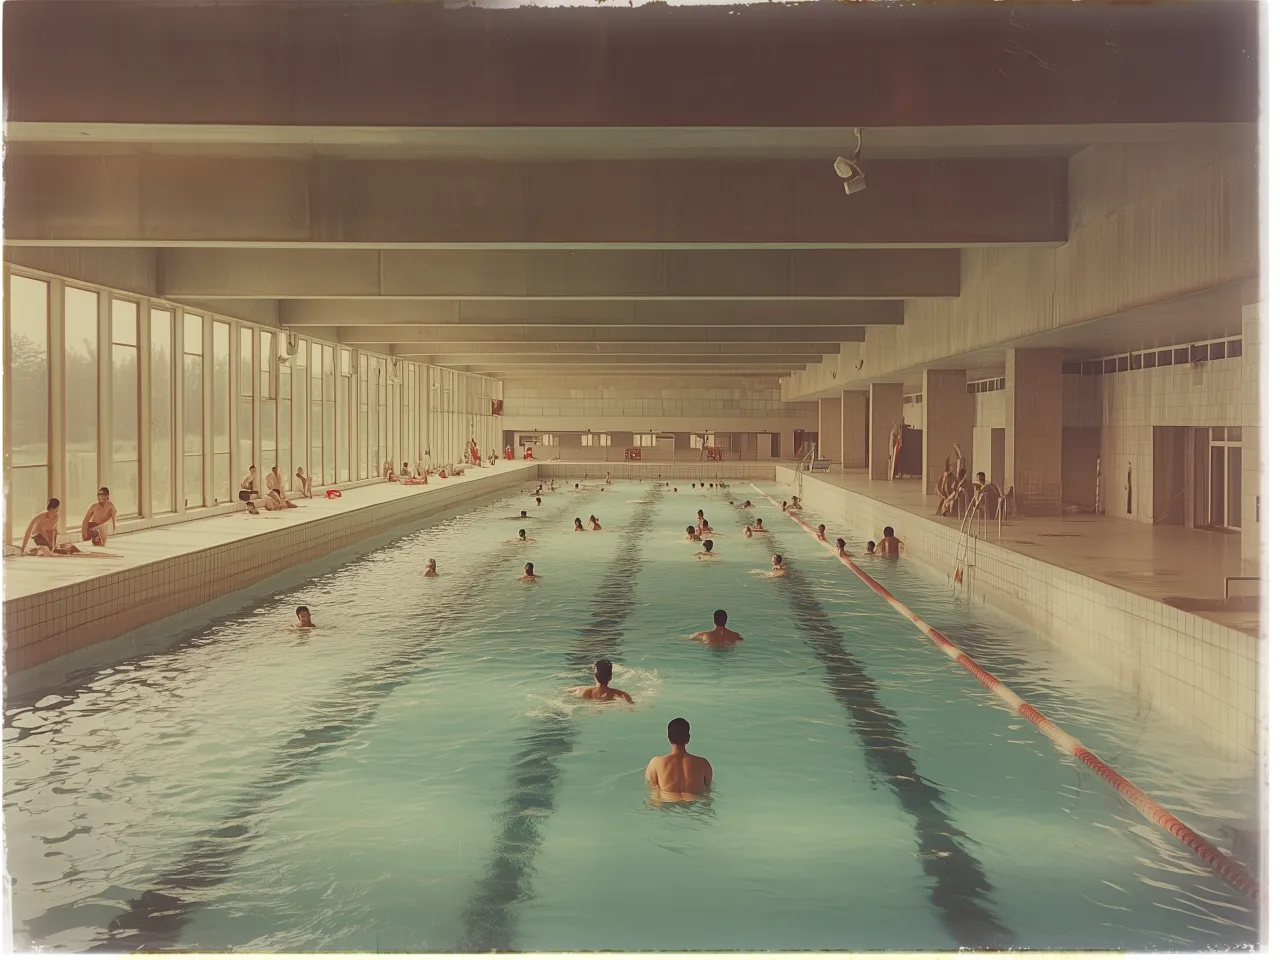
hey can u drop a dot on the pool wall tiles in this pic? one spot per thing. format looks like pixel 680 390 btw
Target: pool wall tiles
pixel 732 470
pixel 44 625
pixel 1199 674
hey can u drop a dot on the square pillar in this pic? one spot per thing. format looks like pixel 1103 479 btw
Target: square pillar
pixel 829 421
pixel 1252 530
pixel 885 413
pixel 948 421
pixel 1033 430
pixel 853 429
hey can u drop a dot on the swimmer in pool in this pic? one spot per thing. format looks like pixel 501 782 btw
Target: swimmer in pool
pixel 890 546
pixel 538 501
pixel 679 775
pixel 304 619
pixel 522 537
pixel 822 532
pixel 778 569
pixel 577 525
pixel 595 524
pixel 705 553
pixel 720 635
pixel 691 535
pixel 524 515
pixel 746 504
pixel 529 575
pixel 431 569
pixel 746 531
pixel 871 548
pixel 840 550
pixel 760 528
pixel 602 690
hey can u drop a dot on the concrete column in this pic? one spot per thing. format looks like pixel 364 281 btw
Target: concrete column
pixel 948 421
pixel 853 429
pixel 1252 530
pixel 829 428
pixel 1033 429
pixel 885 411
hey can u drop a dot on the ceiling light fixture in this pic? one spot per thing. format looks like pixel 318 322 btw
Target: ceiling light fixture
pixel 849 171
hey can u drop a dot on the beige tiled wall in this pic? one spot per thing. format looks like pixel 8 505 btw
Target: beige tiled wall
pixel 1201 675
pixel 45 625
pixel 727 470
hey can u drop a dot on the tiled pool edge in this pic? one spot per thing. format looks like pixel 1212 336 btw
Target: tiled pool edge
pixel 42 626
pixel 1199 674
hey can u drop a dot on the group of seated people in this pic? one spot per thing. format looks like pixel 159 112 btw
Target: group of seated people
pixel 272 496
pixel 956 491
pixel 42 531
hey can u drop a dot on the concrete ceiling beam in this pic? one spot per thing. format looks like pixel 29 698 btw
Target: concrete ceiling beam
pixel 585 314
pixel 560 274
pixel 407 340
pixel 641 351
pixel 781 358
pixel 152 201
pixel 421 64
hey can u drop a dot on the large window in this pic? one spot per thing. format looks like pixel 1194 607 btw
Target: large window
pixel 284 439
pixel 161 411
pixel 193 410
pixel 28 400
pixel 643 440
pixel 80 319
pixel 266 402
pixel 244 404
pixel 221 412
pixel 124 408
pixel 344 414
pixel 330 440
pixel 301 402
pixel 362 419
pixel 595 439
pixel 317 412
pixel 383 455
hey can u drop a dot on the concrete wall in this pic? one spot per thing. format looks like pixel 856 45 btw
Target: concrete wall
pixel 1253 533
pixel 643 404
pixel 1201 675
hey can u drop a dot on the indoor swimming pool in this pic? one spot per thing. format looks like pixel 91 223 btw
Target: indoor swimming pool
pixel 412 775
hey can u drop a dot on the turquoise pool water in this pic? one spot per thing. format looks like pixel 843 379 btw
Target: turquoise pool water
pixel 412 775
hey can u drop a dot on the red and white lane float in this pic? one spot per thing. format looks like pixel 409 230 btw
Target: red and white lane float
pixel 1231 871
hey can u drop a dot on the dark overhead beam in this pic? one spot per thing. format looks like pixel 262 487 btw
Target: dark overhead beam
pixel 828 64
pixel 174 201
pixel 441 340
pixel 558 274
pixel 641 351
pixel 495 314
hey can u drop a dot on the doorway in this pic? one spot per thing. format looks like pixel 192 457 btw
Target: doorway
pixel 1226 462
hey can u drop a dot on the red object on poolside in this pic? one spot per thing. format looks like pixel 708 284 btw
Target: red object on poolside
pixel 333 494
pixel 633 453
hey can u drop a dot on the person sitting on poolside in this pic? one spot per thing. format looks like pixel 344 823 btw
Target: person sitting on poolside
pixel 691 535
pixel 43 528
pixel 94 525
pixel 431 569
pixel 602 690
pixel 304 619
pixel 595 524
pixel 871 548
pixel 529 575
pixel 303 485
pixel 577 525
pixel 679 775
pixel 746 531
pixel 822 532
pixel 522 537
pixel 760 526
pixel 840 550
pixel 720 635
pixel 248 486
pixel 404 470
pixel 778 569
pixel 705 553
pixel 890 546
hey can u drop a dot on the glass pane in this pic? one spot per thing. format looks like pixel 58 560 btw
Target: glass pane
pixel 316 371
pixel 330 447
pixel 266 363
pixel 284 443
pixel 81 325
pixel 301 437
pixel 1234 476
pixel 317 440
pixel 192 334
pixel 161 411
pixel 1234 434
pixel 29 378
pixel 267 434
pixel 221 412
pixel 124 323
pixel 328 373
pixel 300 361
pixel 28 493
pixel 124 432
pixel 193 479
pixel 245 387
pixel 1217 498
pixel 244 440
pixel 193 430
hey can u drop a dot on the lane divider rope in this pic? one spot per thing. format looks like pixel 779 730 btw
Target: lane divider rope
pixel 1232 872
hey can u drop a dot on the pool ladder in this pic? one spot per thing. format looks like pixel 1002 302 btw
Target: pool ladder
pixel 972 526
pixel 808 453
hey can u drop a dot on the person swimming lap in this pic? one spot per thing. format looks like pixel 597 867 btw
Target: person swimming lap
pixel 602 690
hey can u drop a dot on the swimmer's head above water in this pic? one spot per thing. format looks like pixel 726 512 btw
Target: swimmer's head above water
pixel 707 545
pixel 604 671
pixel 720 618
pixel 577 523
pixel 678 732
pixel 304 617
pixel 522 534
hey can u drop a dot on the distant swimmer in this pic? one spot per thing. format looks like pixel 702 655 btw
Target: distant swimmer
pixel 524 515
pixel 602 690
pixel 529 575
pixel 746 531
pixel 760 526
pixel 871 548
pixel 702 524
pixel 522 538
pixel 822 532
pixel 705 553
pixel 840 550
pixel 431 569
pixel 746 504
pixel 720 636
pixel 795 503
pixel 538 501
pixel 304 619
pixel 779 570
pixel 679 775
pixel 691 535
pixel 595 524
pixel 890 546
pixel 577 525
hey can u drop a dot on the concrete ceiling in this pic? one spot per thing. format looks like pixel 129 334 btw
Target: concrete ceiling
pixel 544 193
